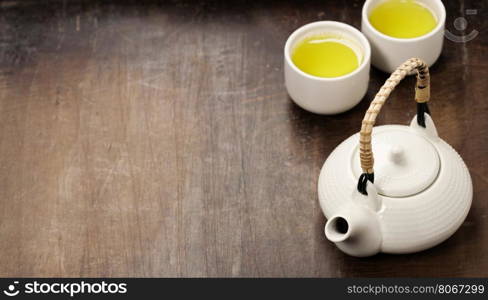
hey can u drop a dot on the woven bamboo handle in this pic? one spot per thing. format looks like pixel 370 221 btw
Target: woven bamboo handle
pixel 422 95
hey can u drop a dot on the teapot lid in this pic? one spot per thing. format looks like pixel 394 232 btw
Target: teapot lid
pixel 406 163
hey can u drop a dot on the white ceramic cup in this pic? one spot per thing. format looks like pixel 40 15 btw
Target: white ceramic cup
pixel 328 95
pixel 389 52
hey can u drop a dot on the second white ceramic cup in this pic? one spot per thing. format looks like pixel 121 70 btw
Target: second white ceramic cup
pixel 328 95
pixel 389 52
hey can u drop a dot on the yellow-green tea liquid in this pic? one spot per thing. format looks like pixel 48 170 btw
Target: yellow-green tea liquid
pixel 402 19
pixel 320 56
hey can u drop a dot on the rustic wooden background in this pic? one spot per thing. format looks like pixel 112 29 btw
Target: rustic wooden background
pixel 157 139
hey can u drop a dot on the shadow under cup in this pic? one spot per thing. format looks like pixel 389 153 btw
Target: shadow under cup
pixel 328 95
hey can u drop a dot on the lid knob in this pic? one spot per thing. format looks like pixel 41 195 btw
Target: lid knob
pixel 397 154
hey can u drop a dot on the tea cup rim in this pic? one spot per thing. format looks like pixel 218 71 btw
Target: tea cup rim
pixel 358 35
pixel 439 26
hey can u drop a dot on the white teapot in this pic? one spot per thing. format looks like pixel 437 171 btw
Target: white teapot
pixel 418 193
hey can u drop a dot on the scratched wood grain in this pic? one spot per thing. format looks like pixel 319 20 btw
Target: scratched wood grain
pixel 157 139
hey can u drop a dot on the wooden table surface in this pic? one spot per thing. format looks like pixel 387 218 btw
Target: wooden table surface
pixel 157 139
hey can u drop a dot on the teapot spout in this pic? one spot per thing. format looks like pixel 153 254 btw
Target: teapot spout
pixel 355 230
pixel 337 229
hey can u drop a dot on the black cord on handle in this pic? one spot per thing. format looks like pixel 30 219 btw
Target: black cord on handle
pixel 421 109
pixel 363 181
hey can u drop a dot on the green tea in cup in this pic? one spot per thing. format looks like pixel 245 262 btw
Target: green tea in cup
pixel 402 18
pixel 324 56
